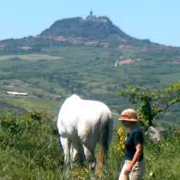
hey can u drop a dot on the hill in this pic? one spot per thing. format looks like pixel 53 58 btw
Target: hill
pixel 90 31
pixel 91 57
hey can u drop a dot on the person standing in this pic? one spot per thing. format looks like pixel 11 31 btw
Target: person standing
pixel 134 166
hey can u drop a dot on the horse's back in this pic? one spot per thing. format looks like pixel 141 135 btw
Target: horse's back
pixel 67 118
pixel 81 115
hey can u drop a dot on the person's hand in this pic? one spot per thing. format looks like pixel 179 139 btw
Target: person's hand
pixel 128 168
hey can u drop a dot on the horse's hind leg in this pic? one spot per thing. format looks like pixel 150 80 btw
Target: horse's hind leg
pixel 78 153
pixel 90 157
pixel 66 144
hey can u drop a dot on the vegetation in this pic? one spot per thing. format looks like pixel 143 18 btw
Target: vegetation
pixel 152 102
pixel 30 149
pixel 49 77
pixel 49 69
pixel 82 56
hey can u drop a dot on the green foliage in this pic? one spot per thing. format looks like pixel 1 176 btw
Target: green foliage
pixel 30 142
pixel 151 102
pixel 53 69
pixel 29 149
pixel 162 159
pixel 8 107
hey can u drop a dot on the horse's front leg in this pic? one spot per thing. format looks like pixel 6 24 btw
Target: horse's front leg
pixel 66 144
pixel 73 153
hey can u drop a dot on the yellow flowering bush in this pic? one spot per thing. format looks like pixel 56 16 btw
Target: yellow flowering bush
pixel 120 140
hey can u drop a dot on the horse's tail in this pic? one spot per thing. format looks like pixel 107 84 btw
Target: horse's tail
pixel 105 139
pixel 106 136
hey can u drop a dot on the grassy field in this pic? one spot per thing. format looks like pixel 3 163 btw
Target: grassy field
pixel 30 57
pixel 29 149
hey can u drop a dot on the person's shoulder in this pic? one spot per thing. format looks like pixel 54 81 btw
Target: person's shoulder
pixel 138 131
pixel 138 136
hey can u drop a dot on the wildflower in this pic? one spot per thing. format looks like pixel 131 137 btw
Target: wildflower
pixel 120 142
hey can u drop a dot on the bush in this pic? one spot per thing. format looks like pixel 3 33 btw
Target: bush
pixel 29 142
pixel 30 150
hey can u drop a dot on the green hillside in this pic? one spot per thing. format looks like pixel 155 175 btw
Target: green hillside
pixel 91 57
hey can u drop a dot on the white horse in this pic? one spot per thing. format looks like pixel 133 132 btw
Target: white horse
pixel 81 125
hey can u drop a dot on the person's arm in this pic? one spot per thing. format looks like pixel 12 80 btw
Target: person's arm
pixel 139 149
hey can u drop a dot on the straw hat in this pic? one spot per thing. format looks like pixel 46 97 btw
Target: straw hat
pixel 129 115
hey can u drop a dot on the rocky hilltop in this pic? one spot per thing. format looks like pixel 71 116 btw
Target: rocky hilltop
pixel 90 31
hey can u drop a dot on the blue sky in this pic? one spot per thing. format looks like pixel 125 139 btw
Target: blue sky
pixel 157 20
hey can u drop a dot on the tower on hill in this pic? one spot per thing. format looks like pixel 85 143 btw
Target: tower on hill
pixel 91 14
pixel 92 17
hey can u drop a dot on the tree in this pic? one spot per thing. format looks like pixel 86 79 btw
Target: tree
pixel 151 102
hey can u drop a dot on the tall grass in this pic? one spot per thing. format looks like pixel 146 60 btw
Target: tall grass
pixel 30 150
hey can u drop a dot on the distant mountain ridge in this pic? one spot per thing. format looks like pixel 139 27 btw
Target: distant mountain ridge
pixel 90 31
pixel 90 28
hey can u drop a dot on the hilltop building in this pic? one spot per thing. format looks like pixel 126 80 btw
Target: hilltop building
pixel 92 17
